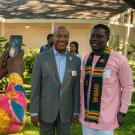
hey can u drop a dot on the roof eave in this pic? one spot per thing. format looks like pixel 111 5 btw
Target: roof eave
pixel 93 21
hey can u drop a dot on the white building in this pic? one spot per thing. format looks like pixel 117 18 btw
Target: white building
pixel 35 19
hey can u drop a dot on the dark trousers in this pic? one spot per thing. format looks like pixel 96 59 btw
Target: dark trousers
pixel 55 128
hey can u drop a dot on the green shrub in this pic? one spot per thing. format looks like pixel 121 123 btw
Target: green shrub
pixel 29 58
pixel 3 44
pixel 131 58
pixel 3 47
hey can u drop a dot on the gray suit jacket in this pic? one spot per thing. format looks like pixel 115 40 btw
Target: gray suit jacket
pixel 48 96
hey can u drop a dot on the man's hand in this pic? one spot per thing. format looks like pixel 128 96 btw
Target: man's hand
pixel 35 120
pixel 3 64
pixel 74 119
pixel 16 64
pixel 121 118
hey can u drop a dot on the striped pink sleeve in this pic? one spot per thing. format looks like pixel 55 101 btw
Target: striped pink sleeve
pixel 126 80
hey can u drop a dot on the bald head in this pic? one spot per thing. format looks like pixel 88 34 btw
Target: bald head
pixel 61 28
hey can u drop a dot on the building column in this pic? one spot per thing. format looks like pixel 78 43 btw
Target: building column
pixel 52 27
pixel 2 26
pixel 126 42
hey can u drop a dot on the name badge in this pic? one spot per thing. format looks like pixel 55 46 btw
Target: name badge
pixel 74 73
pixel 107 74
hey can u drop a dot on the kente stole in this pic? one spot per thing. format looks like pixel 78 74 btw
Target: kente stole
pixel 92 109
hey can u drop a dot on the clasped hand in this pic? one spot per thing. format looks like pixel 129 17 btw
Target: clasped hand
pixel 10 65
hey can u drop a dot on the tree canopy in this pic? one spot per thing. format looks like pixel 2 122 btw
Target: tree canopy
pixel 131 3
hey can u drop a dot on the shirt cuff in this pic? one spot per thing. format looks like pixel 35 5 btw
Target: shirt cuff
pixel 124 108
pixel 34 114
pixel 76 114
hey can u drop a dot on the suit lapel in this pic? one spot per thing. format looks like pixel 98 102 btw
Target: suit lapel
pixel 53 65
pixel 68 67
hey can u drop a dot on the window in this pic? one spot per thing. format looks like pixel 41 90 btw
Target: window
pixel 115 39
pixel 125 18
pixel 132 17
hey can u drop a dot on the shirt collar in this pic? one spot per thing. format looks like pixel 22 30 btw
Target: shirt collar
pixel 57 53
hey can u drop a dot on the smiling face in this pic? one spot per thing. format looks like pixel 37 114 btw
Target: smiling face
pixel 98 40
pixel 61 39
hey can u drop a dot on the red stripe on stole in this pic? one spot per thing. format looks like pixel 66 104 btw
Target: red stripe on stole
pixel 99 72
pixel 87 70
pixel 95 115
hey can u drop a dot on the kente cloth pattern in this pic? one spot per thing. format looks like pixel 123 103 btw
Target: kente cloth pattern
pixel 92 109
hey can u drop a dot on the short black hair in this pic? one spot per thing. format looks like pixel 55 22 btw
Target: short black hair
pixel 76 45
pixel 49 35
pixel 102 26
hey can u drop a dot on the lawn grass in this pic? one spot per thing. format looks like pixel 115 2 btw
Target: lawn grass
pixel 127 129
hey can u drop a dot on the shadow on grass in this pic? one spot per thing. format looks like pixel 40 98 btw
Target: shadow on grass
pixel 29 129
pixel 129 127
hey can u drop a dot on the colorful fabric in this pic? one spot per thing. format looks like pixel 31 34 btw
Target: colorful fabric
pixel 15 78
pixel 13 106
pixel 116 91
pixel 92 111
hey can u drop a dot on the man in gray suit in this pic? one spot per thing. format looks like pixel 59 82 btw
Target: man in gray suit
pixel 55 95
